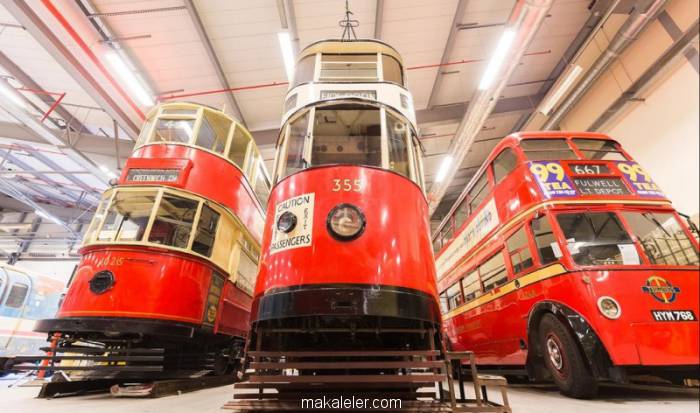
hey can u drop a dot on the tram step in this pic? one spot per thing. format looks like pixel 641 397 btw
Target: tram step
pixel 91 368
pixel 355 386
pixel 22 359
pixel 354 365
pixel 491 380
pixel 350 378
pixel 98 350
pixel 378 394
pixel 325 354
pixel 280 406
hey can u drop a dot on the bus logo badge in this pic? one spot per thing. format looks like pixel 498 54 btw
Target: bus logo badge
pixel 662 290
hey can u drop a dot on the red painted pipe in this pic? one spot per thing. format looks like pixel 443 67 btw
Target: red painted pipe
pixel 85 48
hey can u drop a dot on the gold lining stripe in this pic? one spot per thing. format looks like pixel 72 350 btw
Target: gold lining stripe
pixel 509 287
pixel 516 220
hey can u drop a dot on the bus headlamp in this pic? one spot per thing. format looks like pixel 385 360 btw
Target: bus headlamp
pixel 345 222
pixel 609 307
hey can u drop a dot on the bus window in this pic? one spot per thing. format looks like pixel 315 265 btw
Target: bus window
pixel 544 239
pixel 239 147
pixel 173 130
pixel 443 302
pixel 599 149
pixel 454 296
pixel 304 70
pixel 347 134
pixel 213 132
pixel 348 68
pixel 127 216
pixel 478 193
pixel 519 251
pixel 663 239
pixel 437 244
pixel 206 231
pixel 17 295
pixel 391 69
pixel 547 149
pixel 173 222
pixel 461 213
pixel 597 238
pixel 504 163
pixel 398 146
pixel 472 286
pixel 493 272
pixel 293 159
pixel 448 232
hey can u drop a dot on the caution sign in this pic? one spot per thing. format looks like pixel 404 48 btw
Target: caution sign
pixel 302 207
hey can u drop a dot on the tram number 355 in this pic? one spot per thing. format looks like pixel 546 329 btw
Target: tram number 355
pixel 347 185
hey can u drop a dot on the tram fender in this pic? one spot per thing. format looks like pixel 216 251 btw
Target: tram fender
pixel 588 341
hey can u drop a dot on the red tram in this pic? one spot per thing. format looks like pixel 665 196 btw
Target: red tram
pixel 346 261
pixel 169 261
pixel 564 260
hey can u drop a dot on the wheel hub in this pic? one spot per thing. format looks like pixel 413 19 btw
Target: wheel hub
pixel 554 352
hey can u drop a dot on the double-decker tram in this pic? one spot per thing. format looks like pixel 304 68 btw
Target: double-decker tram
pixel 563 259
pixel 346 263
pixel 168 265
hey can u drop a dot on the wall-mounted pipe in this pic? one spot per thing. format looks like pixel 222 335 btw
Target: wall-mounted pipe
pixel 635 23
pixel 525 19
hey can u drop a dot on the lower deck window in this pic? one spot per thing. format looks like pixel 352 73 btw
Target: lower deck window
pixel 173 222
pixel 206 231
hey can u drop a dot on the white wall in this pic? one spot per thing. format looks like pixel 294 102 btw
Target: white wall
pixel 661 133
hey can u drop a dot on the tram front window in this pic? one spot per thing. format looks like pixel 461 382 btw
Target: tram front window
pixel 127 217
pixel 173 222
pixel 348 68
pixel 173 130
pixel 597 238
pixel 345 135
pixel 662 238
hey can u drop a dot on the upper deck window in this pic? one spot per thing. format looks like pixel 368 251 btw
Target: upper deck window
pixel 348 68
pixel 597 238
pixel 391 70
pixel 213 132
pixel 662 238
pixel 504 163
pixel 304 70
pixel 599 149
pixel 173 130
pixel 345 135
pixel 547 149
pixel 239 147
pixel 478 193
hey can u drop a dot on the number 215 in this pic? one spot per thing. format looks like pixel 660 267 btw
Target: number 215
pixel 347 185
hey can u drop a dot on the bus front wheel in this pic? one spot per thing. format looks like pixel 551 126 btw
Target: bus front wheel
pixel 564 360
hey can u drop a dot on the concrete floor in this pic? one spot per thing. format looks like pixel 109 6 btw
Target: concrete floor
pixel 541 399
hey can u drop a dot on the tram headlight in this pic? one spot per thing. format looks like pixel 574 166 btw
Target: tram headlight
pixel 286 222
pixel 609 307
pixel 345 222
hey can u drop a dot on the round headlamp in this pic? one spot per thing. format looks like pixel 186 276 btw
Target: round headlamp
pixel 286 222
pixel 345 222
pixel 609 307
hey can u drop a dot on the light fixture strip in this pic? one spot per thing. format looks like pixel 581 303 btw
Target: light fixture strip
pixel 444 167
pixel 128 76
pixel 285 41
pixel 496 62
pixel 573 72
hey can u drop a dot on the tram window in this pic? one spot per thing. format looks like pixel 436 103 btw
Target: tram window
pixel 461 213
pixel 173 222
pixel 544 239
pixel 504 163
pixel 247 272
pixel 206 231
pixel 599 149
pixel 18 293
pixel 454 295
pixel 173 130
pixel 346 134
pixel 493 272
pixel 478 192
pixel 398 147
pixel 472 286
pixel 127 216
pixel 448 232
pixel 239 147
pixel 417 159
pixel 663 239
pixel 597 238
pixel 519 251
pixel 348 67
pixel 294 157
pixel 97 218
pixel 262 183
pixel 391 69
pixel 145 132
pixel 443 302
pixel 304 70
pixel 547 149
pixel 437 244
pixel 213 133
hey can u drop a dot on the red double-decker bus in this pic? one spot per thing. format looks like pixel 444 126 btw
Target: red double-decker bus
pixel 562 259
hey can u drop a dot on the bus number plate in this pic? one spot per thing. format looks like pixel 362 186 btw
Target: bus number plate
pixel 589 169
pixel 673 315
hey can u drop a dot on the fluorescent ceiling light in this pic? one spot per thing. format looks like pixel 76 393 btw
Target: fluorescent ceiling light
pixel 444 167
pixel 12 94
pixel 497 59
pixel 129 78
pixel 107 171
pixel 48 216
pixel 287 53
pixel 572 73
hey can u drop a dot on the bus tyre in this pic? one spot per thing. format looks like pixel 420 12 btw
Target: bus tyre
pixel 564 361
